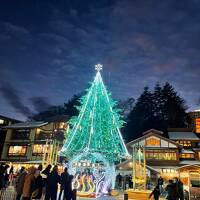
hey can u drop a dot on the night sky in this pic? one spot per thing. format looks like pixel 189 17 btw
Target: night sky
pixel 48 49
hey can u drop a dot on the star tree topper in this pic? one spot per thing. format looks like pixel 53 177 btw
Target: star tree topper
pixel 98 67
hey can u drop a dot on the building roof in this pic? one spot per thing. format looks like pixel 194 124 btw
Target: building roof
pixel 32 124
pixel 182 136
pixel 152 132
pixel 187 151
pixel 189 162
pixel 9 118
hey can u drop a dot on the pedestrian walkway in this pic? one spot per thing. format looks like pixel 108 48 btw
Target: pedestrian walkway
pixel 8 194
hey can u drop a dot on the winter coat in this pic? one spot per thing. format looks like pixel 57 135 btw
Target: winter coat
pixel 68 193
pixel 45 174
pixel 155 193
pixel 160 181
pixel 179 191
pixel 37 187
pixel 28 183
pixel 171 191
pixel 64 179
pixel 52 182
pixel 20 182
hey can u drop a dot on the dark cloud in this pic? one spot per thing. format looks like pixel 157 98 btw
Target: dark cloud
pixel 14 99
pixel 50 48
pixel 40 103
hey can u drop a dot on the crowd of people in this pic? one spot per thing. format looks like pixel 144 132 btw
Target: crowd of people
pixel 38 184
pixel 174 189
pixel 124 182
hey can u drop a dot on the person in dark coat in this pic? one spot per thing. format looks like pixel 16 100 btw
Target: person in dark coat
pixel 20 182
pixel 6 177
pixel 171 190
pixel 45 173
pixel 68 193
pixel 160 184
pixel 38 184
pixel 130 181
pixel 1 175
pixel 52 184
pixel 155 193
pixel 119 181
pixel 64 179
pixel 179 189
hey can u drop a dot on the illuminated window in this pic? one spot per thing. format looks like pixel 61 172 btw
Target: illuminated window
pixel 38 148
pixel 185 143
pixel 197 124
pixel 187 155
pixel 152 142
pixel 1 121
pixel 17 150
pixel 168 170
pixel 160 155
pixel 60 125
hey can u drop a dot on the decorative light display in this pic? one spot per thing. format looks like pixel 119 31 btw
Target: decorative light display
pixel 139 167
pixel 93 174
pixel 94 143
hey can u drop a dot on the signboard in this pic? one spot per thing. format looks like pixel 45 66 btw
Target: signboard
pixel 197 125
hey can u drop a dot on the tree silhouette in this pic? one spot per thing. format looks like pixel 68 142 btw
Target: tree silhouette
pixel 161 109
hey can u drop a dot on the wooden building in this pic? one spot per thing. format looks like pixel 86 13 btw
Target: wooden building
pixel 33 142
pixel 166 157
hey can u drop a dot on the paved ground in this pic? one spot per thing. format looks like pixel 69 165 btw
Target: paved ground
pixel 9 194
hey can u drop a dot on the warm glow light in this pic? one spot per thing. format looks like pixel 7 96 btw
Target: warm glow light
pixel 152 142
pixel 17 150
pixel 130 164
pixel 197 125
pixel 38 148
pixel 38 130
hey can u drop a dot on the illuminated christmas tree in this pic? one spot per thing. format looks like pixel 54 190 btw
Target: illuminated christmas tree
pixel 96 128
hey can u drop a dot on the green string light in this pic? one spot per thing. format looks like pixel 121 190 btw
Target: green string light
pixel 96 128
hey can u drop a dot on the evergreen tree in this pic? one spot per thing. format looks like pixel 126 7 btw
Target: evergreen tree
pixel 141 116
pixel 161 109
pixel 173 108
pixel 96 128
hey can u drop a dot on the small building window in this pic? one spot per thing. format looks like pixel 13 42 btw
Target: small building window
pixel 1 121
pixel 185 143
pixel 168 170
pixel 38 149
pixel 17 150
pixel 161 155
pixel 152 142
pixel 20 134
pixel 187 155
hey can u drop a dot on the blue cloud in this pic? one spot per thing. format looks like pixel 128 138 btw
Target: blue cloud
pixel 138 42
